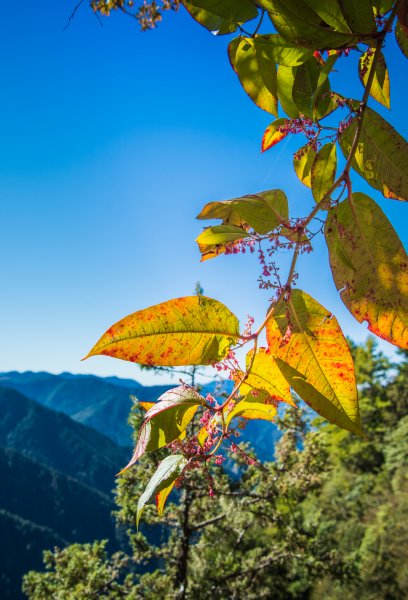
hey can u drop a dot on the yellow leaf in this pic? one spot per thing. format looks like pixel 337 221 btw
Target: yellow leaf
pixel 162 495
pixel 194 330
pixel 380 88
pixel 312 353
pixel 274 133
pixel 253 407
pixel 302 163
pixel 265 375
pixel 370 267
pixel 147 405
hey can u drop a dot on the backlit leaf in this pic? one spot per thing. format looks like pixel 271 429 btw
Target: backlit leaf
pixel 330 12
pixel 166 420
pixel 265 375
pixel 302 163
pixel 221 17
pixel 256 71
pixel 323 172
pixel 274 133
pixel 254 61
pixel 167 472
pixel 194 330
pixel 162 495
pixel 252 407
pixel 359 15
pixel 381 156
pixel 285 82
pixel 263 212
pixel 370 267
pixel 213 241
pixel 312 353
pixel 301 25
pixel 380 88
pixel 305 90
pixel 382 6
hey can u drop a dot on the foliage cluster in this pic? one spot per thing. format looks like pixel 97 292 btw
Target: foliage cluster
pixel 327 519
pixel 288 65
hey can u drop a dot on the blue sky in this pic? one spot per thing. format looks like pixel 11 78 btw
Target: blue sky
pixel 111 142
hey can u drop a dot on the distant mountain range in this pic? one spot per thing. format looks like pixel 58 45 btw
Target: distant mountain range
pixel 104 403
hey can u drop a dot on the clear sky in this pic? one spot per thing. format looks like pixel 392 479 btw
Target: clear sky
pixel 111 142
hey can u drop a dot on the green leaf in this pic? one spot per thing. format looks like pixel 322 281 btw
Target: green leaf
pixel 322 102
pixel 221 16
pixel 381 156
pixel 263 212
pixel 312 353
pixel 323 172
pixel 359 15
pixel 285 82
pixel 166 420
pixel 401 35
pixel 256 405
pixel 302 163
pixel 167 472
pixel 305 90
pixel 370 267
pixel 380 88
pixel 298 23
pixel 381 7
pixel 256 70
pixel 194 330
pixel 305 87
pixel 330 12
pixel 274 133
pixel 266 376
pixel 213 241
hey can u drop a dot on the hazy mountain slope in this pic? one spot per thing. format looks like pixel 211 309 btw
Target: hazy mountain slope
pixel 54 439
pixel 48 498
pixel 22 545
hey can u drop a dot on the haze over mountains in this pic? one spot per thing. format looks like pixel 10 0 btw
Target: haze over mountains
pixel 62 440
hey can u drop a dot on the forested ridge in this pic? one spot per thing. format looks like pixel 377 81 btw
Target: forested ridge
pixel 327 518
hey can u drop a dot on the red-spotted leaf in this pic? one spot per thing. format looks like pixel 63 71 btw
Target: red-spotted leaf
pixel 166 420
pixel 302 163
pixel 381 155
pixel 256 405
pixel 370 267
pixel 265 375
pixel 323 171
pixel 380 87
pixel 194 330
pixel 166 474
pixel 274 133
pixel 312 353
